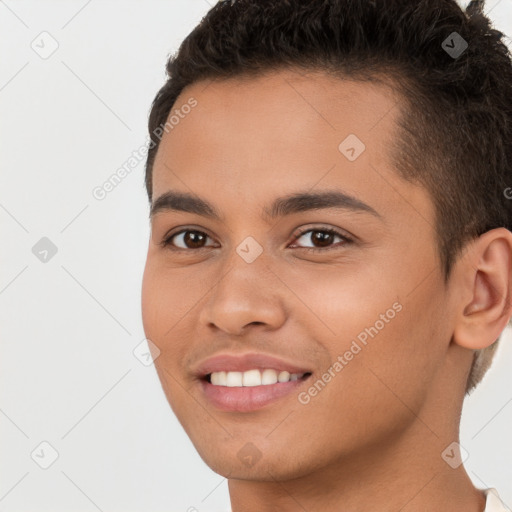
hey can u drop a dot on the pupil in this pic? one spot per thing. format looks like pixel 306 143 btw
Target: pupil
pixel 192 237
pixel 323 238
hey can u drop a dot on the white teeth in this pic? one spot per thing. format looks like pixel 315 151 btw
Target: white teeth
pixel 252 378
pixel 283 377
pixel 269 377
pixel 233 379
pixel 218 378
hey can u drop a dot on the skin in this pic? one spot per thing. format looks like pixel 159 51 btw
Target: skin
pixel 372 438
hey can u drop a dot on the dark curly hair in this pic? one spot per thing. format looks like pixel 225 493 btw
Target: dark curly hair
pixel 454 133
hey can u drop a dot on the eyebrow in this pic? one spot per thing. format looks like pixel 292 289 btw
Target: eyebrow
pixel 282 206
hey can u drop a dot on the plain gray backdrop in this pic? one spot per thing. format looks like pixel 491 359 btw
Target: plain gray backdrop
pixel 84 424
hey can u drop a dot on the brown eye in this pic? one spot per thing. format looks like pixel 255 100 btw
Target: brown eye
pixel 187 239
pixel 323 238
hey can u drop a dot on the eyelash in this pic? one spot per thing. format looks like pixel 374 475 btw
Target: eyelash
pixel 346 239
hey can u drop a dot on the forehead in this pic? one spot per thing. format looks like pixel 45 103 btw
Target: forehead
pixel 248 139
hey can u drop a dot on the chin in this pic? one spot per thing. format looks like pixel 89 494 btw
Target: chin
pixel 246 463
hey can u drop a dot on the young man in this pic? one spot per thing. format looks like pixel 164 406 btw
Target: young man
pixel 330 260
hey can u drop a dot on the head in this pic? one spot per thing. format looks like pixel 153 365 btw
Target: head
pixel 269 99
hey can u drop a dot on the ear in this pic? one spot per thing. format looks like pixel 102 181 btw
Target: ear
pixel 484 282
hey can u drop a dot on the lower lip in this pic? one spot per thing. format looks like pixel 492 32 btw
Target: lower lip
pixel 248 398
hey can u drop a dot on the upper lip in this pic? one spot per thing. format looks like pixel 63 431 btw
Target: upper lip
pixel 245 362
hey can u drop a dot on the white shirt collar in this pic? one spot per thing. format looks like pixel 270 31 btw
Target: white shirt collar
pixel 493 502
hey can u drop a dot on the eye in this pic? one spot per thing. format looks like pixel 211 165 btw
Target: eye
pixel 195 239
pixel 188 238
pixel 324 237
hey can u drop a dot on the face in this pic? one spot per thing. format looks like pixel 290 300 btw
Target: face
pixel 346 288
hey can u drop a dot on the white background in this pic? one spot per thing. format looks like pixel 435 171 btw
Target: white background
pixel 69 326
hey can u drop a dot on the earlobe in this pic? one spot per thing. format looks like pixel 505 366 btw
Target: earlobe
pixel 486 279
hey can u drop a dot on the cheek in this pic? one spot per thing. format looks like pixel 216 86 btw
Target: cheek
pixel 339 303
pixel 160 314
pixel 162 308
pixel 389 341
pixel 369 395
pixel 167 296
pixel 171 299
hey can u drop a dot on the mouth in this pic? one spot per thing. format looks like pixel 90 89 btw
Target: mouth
pixel 232 391
pixel 243 382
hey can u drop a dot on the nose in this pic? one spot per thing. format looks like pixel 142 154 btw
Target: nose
pixel 245 294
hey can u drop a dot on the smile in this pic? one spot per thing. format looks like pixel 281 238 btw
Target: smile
pixel 250 390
